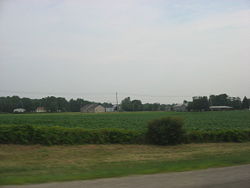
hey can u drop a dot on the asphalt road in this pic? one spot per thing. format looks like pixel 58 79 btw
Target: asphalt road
pixel 229 177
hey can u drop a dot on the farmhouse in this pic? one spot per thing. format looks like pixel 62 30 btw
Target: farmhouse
pixel 92 108
pixel 19 110
pixel 180 108
pixel 220 108
pixel 40 109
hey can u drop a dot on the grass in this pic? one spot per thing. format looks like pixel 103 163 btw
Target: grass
pixel 131 121
pixel 36 164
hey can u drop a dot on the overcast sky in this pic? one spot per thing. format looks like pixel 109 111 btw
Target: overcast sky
pixel 154 50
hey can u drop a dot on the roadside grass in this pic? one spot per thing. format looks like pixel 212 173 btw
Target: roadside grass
pixel 38 164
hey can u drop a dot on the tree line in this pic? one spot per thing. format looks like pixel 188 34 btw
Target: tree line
pixel 51 104
pixel 60 104
pixel 136 105
pixel 202 103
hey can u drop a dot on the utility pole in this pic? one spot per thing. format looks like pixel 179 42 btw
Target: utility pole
pixel 117 107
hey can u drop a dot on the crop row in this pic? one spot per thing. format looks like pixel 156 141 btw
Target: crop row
pixel 131 121
pixel 27 134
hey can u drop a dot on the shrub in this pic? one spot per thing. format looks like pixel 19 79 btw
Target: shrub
pixel 220 135
pixel 26 134
pixel 165 131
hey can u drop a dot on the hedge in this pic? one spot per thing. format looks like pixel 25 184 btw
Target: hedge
pixel 26 134
pixel 220 135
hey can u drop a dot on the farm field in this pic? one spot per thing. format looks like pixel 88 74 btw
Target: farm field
pixel 131 120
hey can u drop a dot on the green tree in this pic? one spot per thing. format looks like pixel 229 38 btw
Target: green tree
pixel 136 105
pixel 126 104
pixel 27 104
pixel 245 103
pixel 234 102
pixel 218 100
pixel 199 104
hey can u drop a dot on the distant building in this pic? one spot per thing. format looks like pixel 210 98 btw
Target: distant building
pixel 220 108
pixel 168 108
pixel 19 110
pixel 112 109
pixel 40 109
pixel 180 108
pixel 92 108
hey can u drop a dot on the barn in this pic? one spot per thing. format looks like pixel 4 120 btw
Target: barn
pixel 92 108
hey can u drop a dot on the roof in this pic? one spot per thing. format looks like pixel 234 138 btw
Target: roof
pixel 179 105
pixel 89 107
pixel 40 107
pixel 219 107
pixel 19 110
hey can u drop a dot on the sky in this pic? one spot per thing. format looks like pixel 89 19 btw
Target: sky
pixel 155 50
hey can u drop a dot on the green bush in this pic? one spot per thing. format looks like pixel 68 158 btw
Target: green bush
pixel 165 131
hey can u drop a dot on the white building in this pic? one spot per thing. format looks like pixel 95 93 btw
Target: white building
pixel 19 110
pixel 112 109
pixel 180 107
pixel 40 109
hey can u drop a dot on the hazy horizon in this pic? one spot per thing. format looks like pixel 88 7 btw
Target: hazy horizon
pixel 155 51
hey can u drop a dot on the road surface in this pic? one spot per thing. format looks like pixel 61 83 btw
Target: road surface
pixel 228 177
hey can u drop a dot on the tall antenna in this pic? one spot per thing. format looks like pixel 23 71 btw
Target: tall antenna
pixel 117 107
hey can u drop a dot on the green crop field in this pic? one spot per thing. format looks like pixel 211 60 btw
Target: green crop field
pixel 131 120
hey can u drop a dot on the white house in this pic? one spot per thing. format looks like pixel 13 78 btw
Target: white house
pixel 19 110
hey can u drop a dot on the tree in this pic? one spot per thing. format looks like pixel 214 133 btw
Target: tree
pixel 156 107
pixel 27 104
pixel 75 105
pixel 199 104
pixel 50 103
pixel 107 105
pixel 245 103
pixel 234 102
pixel 147 107
pixel 136 105
pixel 126 104
pixel 62 104
pixel 218 100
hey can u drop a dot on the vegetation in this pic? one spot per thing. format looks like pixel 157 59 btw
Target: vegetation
pixel 28 134
pixel 162 132
pixel 202 103
pixel 131 120
pixel 136 105
pixel 60 104
pixel 165 131
pixel 245 103
pixel 36 164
